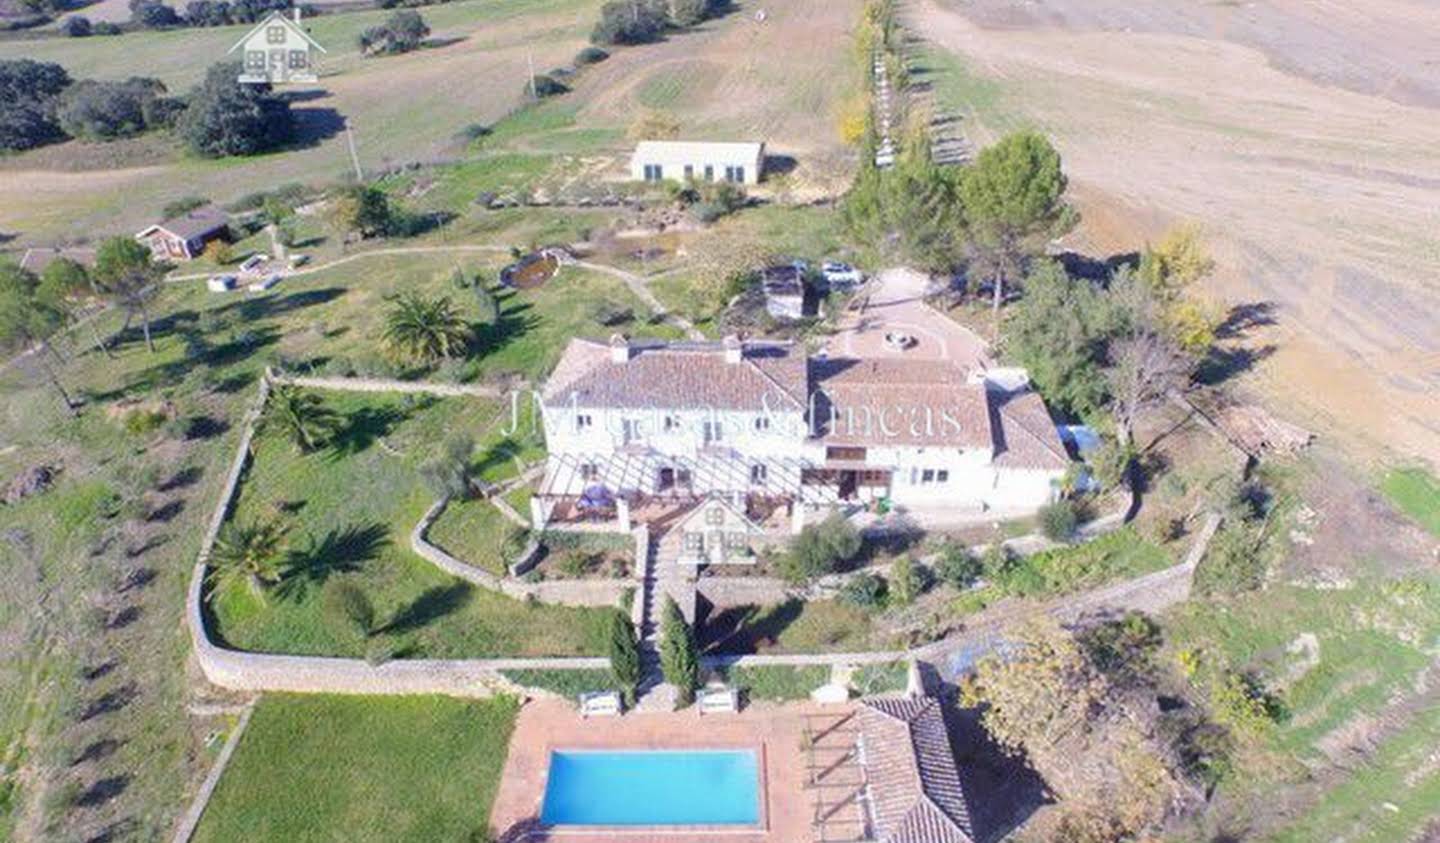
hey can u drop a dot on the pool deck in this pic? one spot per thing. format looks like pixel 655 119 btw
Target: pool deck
pixel 774 730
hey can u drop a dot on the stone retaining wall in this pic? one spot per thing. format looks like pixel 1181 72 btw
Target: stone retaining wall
pixel 452 390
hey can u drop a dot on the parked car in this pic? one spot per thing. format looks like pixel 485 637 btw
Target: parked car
pixel 221 283
pixel 841 275
pixel 264 283
pixel 253 263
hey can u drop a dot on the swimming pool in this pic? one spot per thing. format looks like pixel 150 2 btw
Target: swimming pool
pixel 645 788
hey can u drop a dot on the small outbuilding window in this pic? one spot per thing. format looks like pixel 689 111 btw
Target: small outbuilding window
pixel 758 474
pixel 275 35
pixel 299 59
pixel 654 172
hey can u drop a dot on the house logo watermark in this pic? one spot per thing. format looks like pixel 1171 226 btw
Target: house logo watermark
pixel 278 51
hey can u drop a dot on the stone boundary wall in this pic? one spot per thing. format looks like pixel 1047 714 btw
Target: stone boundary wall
pixel 450 390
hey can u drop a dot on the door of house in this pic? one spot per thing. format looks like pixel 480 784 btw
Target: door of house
pixel 277 70
pixel 849 481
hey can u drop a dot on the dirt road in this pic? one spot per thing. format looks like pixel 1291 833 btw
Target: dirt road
pixel 1322 205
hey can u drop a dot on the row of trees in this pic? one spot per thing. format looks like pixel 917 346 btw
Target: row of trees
pixel 679 654
pixel 41 104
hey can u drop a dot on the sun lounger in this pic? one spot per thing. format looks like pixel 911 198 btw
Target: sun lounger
pixel 718 700
pixel 600 704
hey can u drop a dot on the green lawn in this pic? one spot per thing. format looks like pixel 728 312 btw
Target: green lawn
pixel 817 626
pixel 1114 556
pixel 1415 492
pixel 778 682
pixel 473 532
pixel 353 508
pixel 362 768
pixel 566 683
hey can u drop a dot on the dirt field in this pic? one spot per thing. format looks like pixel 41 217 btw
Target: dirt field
pixel 1319 201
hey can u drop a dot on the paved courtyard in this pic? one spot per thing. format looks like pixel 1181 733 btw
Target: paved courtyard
pixel 897 304
pixel 775 731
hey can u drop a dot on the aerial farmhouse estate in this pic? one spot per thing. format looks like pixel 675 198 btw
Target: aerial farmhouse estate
pixel 739 163
pixel 639 427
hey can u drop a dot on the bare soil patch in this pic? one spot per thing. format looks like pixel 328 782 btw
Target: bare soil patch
pixel 1319 203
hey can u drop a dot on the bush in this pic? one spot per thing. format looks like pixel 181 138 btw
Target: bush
pixel 679 656
pixel 1234 563
pixel 154 15
pixel 93 110
pixel 1238 701
pixel 908 580
pixel 590 55
pixel 545 85
pixel 402 32
pixel 864 590
pixel 1058 521
pixel 819 549
pixel 624 656
pixel 957 566
pixel 630 22
pixel 29 91
pixel 77 26
pixel 105 27
pixel 224 117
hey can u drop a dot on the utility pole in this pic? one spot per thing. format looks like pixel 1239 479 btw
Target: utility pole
pixel 530 62
pixel 354 157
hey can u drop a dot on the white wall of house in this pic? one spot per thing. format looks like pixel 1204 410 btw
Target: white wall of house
pixel 741 163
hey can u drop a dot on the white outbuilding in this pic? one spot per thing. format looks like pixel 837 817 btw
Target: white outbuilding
pixel 705 161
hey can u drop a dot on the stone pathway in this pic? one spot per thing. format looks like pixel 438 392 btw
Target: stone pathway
pixel 662 578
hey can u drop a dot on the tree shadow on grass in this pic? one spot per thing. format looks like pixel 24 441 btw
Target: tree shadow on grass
pixel 432 605
pixel 362 427
pixel 339 552
pixel 515 321
pixel 748 629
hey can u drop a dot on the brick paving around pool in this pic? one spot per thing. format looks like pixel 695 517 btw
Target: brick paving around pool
pixel 775 731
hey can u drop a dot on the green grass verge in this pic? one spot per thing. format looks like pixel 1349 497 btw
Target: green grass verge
pixel 362 769
pixel 566 683
pixel 355 506
pixel 1118 555
pixel 1415 492
pixel 778 682
pixel 884 678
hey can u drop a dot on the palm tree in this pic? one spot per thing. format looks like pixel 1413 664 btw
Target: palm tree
pixel 424 330
pixel 249 553
pixel 300 416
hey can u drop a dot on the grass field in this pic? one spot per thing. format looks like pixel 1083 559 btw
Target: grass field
pixel 817 626
pixel 362 536
pixel 1346 667
pixel 1415 492
pixel 362 769
pixel 780 683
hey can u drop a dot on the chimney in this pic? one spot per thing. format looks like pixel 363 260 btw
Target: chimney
pixel 297 15
pixel 619 348
pixel 734 348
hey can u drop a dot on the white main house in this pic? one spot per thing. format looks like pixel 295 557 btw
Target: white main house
pixel 640 427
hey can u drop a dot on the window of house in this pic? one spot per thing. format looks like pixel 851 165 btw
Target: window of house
pixel 254 59
pixel 630 430
pixel 654 172
pixel 275 35
pixel 737 542
pixel 843 454
pixel 715 516
pixel 927 476
pixel 694 542
pixel 588 471
pixel 735 174
pixel 672 423
pixel 713 432
pixel 682 477
pixel 583 421
pixel 942 476
pixel 709 173
pixel 758 474
pixel 299 59
pixel 762 422
pixel 689 172
pixel 935 475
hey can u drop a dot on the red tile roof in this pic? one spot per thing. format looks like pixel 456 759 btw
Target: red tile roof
pixel 914 786
pixel 920 402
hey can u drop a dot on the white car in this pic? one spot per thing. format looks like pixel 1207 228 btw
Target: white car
pixel 221 283
pixel 265 283
pixel 841 275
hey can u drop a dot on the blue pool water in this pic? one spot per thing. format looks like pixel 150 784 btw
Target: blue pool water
pixel 652 788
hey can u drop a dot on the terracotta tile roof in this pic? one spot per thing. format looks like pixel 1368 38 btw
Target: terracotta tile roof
pixel 1025 435
pixel 924 402
pixel 681 376
pixel 914 786
pixel 196 223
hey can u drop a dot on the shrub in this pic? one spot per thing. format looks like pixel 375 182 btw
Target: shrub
pixel 690 12
pixel 590 55
pixel 182 206
pixel 224 117
pixel 819 549
pixel 998 561
pixel 1122 648
pixel 957 566
pixel 864 590
pixel 402 32
pixel 1111 463
pixel 1058 521
pixel 908 580
pixel 140 422
pixel 28 93
pixel 106 27
pixel 630 22
pixel 219 252
pixel 1238 701
pixel 545 85
pixel 345 603
pixel 77 26
pixel 154 15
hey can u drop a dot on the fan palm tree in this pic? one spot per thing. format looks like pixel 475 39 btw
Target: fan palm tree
pixel 424 330
pixel 251 553
pixel 300 416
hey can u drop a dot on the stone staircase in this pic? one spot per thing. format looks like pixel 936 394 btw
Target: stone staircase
pixel 660 577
